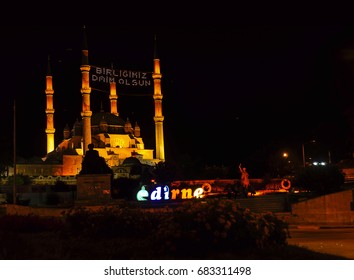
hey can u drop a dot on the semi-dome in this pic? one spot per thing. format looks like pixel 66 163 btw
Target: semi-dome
pixel 131 161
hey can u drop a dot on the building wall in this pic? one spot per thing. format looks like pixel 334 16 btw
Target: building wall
pixel 331 208
pixel 72 165
pixel 39 169
pixel 348 174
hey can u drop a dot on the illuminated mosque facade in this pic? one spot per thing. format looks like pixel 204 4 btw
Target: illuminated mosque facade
pixel 117 140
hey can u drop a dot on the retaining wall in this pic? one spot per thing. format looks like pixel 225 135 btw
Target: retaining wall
pixel 336 208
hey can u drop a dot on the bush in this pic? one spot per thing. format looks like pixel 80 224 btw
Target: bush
pixel 20 180
pixel 110 222
pixel 52 198
pixel 193 229
pixel 61 186
pixel 198 229
pixel 125 188
pixel 29 223
pixel 212 229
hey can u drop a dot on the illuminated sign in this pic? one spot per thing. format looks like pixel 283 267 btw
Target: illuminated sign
pixel 121 77
pixel 159 193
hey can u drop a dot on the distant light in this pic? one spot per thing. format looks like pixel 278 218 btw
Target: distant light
pixel 322 163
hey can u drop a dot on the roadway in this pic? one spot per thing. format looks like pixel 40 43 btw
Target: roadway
pixel 335 240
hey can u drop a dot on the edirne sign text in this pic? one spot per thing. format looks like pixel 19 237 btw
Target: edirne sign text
pixel 121 77
pixel 160 193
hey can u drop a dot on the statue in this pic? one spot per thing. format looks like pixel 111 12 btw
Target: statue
pixel 93 163
pixel 95 178
pixel 245 182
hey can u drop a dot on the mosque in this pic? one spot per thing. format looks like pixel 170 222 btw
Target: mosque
pixel 116 139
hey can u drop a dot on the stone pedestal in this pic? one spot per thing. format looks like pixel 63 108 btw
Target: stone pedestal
pixel 93 188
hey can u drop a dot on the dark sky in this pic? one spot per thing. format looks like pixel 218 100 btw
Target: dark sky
pixel 230 94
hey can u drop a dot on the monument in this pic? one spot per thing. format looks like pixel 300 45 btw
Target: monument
pixel 95 178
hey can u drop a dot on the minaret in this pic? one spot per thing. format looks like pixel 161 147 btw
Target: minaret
pixel 158 118
pixel 49 109
pixel 66 132
pixel 136 130
pixel 86 112
pixel 113 96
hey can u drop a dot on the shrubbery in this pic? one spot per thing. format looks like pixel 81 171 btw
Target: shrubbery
pixel 29 223
pixel 197 229
pixel 201 228
pixel 110 222
pixel 125 188
pixel 193 229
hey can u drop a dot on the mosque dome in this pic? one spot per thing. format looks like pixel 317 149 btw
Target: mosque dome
pixel 110 118
pixel 104 122
pixel 131 161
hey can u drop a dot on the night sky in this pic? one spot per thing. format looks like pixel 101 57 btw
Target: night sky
pixel 230 94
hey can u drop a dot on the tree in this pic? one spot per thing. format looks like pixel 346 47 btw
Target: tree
pixel 165 172
pixel 20 180
pixel 320 179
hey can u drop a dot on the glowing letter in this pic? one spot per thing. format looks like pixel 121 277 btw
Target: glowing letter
pixel 198 193
pixel 174 193
pixel 166 191
pixel 142 194
pixel 156 194
pixel 186 193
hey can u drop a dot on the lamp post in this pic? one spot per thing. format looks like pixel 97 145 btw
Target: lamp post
pixel 14 151
pixel 303 152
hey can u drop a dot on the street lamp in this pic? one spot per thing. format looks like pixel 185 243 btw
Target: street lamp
pixel 303 152
pixel 14 151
